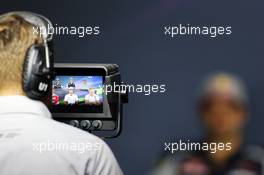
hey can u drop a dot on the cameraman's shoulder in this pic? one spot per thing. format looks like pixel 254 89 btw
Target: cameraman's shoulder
pixel 60 132
pixel 92 149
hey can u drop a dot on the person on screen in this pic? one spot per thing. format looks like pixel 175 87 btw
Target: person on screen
pixel 55 98
pixel 91 98
pixel 223 107
pixel 57 84
pixel 71 98
pixel 28 133
pixel 71 83
pixel 84 85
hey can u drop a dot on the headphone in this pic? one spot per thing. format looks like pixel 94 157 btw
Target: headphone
pixel 38 64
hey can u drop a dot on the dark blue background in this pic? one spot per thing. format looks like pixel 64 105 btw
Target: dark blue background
pixel 132 36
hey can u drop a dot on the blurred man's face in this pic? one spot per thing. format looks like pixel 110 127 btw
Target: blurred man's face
pixel 70 92
pixel 222 116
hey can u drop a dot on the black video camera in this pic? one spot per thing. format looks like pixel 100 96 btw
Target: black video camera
pixel 79 97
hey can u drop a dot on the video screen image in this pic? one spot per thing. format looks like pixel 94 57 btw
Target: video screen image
pixel 70 91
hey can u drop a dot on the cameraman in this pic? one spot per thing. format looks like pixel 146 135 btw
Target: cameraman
pixel 26 124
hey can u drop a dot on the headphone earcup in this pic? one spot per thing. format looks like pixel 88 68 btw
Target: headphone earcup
pixel 35 81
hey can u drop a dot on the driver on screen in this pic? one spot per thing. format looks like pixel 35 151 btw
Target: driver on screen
pixel 71 83
pixel 91 98
pixel 57 84
pixel 71 98
pixel 55 98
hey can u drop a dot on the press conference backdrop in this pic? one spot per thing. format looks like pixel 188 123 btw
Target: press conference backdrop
pixel 132 35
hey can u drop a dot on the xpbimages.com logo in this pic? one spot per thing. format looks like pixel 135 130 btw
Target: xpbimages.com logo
pixel 80 31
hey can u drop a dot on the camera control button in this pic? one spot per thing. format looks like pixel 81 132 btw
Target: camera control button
pixel 97 124
pixel 74 123
pixel 85 124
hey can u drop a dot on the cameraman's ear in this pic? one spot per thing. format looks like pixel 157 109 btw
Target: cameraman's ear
pixel 5 35
pixel 2 28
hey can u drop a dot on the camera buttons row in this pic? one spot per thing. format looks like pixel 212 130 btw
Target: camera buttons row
pixel 87 124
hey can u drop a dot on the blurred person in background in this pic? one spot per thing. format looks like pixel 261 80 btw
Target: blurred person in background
pixel 223 107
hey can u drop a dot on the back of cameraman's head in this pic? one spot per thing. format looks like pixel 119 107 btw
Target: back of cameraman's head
pixel 16 36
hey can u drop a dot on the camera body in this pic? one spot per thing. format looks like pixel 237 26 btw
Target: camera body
pixel 79 97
